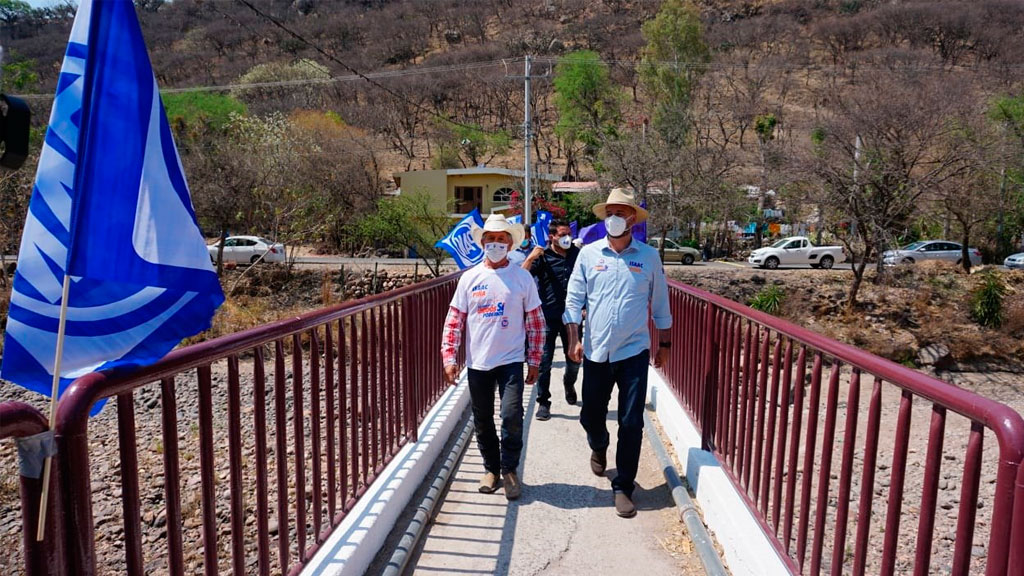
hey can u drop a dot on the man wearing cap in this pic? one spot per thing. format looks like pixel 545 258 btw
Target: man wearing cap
pixel 552 268
pixel 498 305
pixel 617 280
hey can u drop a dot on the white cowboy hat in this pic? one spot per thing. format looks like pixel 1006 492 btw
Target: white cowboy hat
pixel 498 223
pixel 620 197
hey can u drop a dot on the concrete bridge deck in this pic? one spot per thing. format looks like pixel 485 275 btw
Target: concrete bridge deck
pixel 565 521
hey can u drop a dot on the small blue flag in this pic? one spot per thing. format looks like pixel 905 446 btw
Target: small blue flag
pixel 459 242
pixel 593 233
pixel 574 228
pixel 111 209
pixel 640 230
pixel 540 228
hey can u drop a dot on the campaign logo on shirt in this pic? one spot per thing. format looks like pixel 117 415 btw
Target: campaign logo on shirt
pixel 504 322
pixel 479 291
pixel 601 266
pixel 636 267
pixel 491 310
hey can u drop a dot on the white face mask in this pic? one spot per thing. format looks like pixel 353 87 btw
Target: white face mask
pixel 495 251
pixel 615 225
pixel 564 242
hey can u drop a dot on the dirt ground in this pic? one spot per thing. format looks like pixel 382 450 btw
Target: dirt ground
pixel 913 307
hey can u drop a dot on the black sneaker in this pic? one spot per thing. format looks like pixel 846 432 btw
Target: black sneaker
pixel 570 395
pixel 543 412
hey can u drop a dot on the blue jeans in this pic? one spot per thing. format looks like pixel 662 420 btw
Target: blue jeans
pixel 598 380
pixel 508 379
pixel 571 368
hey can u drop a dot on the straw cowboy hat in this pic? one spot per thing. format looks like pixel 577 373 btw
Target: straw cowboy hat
pixel 498 223
pixel 621 197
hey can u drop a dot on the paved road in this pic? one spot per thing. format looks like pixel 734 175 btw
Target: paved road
pixel 565 522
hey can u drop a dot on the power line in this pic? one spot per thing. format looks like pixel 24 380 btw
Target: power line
pixel 355 72
pixel 315 81
pixel 788 67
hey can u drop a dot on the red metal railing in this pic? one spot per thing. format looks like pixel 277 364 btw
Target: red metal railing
pixel 753 384
pixel 362 375
pixel 19 420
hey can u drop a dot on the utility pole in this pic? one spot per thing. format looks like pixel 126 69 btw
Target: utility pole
pixel 527 213
pixel 527 138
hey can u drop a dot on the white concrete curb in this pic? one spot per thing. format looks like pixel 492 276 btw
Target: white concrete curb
pixel 353 545
pixel 746 548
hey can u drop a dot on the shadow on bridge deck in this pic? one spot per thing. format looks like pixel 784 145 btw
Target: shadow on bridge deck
pixel 565 522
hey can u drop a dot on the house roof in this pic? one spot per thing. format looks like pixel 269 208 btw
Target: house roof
pixel 576 187
pixel 479 170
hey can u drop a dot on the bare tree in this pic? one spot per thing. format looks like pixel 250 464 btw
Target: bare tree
pixel 881 153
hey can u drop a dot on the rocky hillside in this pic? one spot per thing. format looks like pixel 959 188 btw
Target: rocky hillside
pixel 920 316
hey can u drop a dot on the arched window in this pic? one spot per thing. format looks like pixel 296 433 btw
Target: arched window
pixel 503 195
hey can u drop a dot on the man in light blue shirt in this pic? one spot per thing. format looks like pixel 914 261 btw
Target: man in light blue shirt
pixel 621 284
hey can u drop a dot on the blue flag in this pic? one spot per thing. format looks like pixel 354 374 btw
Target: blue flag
pixel 540 228
pixel 459 242
pixel 110 208
pixel 574 228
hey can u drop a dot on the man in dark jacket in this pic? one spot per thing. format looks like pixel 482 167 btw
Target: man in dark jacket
pixel 552 268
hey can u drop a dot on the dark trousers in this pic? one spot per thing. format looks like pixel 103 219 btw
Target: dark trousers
pixel 598 380
pixel 555 330
pixel 508 379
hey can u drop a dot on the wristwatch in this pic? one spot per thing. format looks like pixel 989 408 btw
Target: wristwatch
pixel 664 345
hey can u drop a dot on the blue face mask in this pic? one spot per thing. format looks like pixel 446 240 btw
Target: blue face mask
pixel 524 244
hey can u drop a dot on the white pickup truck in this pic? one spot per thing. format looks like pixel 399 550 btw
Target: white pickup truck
pixel 797 251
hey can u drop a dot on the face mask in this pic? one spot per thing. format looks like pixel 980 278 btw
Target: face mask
pixel 615 225
pixel 496 251
pixel 564 242
pixel 524 244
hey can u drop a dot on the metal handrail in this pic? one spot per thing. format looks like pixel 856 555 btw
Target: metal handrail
pixel 720 373
pixel 45 558
pixel 418 304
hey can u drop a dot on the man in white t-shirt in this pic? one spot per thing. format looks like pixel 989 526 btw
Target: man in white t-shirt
pixel 498 305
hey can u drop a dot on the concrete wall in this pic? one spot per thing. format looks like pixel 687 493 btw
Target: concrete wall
pixel 353 545
pixel 430 182
pixel 747 549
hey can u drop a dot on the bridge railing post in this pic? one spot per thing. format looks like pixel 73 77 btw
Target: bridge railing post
pixel 710 378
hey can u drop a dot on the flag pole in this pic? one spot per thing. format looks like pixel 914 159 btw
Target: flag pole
pixel 53 405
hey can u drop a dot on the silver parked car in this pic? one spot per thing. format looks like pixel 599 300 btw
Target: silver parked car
pixel 1014 261
pixel 250 249
pixel 674 252
pixel 930 250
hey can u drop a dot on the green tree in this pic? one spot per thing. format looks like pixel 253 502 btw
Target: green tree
pixel 408 221
pixel 186 109
pixel 588 105
pixel 1008 113
pixel 13 10
pixel 19 75
pixel 672 61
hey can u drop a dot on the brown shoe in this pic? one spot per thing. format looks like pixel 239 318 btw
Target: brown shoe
pixel 489 483
pixel 624 505
pixel 598 462
pixel 512 486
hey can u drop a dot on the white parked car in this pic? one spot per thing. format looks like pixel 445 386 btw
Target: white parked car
pixel 248 249
pixel 943 250
pixel 797 251
pixel 1014 261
